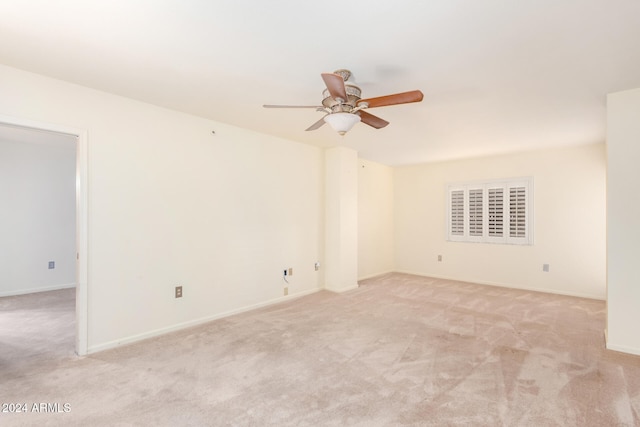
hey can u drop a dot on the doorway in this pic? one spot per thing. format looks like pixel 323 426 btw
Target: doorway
pixel 47 133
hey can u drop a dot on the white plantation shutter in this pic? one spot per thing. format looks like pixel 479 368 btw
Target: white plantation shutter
pixel 518 212
pixel 496 212
pixel 475 212
pixel 491 212
pixel 456 213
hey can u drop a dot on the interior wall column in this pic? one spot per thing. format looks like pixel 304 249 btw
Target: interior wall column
pixel 341 219
pixel 623 228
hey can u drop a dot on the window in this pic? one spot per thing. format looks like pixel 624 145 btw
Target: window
pixel 491 211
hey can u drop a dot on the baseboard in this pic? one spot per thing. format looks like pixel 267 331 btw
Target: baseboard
pixel 191 323
pixel 619 348
pixel 508 285
pixel 36 290
pixel 342 290
pixel 623 349
pixel 371 276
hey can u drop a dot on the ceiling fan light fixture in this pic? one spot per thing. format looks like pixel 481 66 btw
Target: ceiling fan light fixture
pixel 342 122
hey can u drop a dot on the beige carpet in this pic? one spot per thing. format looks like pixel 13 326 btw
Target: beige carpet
pixel 400 350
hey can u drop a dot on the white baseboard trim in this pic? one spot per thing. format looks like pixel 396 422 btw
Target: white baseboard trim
pixel 36 290
pixel 623 349
pixel 508 285
pixel 342 290
pixel 191 323
pixel 619 348
pixel 371 276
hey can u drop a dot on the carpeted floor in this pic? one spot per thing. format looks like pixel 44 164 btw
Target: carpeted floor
pixel 399 351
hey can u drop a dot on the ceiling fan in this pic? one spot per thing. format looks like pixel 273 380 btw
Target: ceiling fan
pixel 343 106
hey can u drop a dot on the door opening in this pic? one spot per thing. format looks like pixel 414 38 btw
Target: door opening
pixel 41 131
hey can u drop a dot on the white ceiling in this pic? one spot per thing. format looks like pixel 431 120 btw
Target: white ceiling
pixel 498 76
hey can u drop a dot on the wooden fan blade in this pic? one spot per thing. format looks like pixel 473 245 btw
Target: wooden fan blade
pixel 335 84
pixel 397 98
pixel 291 106
pixel 317 124
pixel 372 120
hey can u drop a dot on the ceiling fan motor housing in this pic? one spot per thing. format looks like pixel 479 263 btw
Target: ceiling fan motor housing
pixel 353 96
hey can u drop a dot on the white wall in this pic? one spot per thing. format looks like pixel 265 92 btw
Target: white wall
pixel 37 217
pixel 569 222
pixel 623 211
pixel 375 219
pixel 170 203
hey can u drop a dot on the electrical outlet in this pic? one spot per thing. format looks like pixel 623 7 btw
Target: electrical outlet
pixel 286 291
pixel 439 257
pixel 291 272
pixel 178 291
pixel 316 266
pixel 545 268
pixel 52 265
